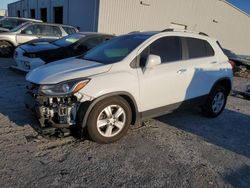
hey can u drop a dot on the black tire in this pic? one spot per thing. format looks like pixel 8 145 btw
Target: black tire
pixel 93 132
pixel 6 49
pixel 207 109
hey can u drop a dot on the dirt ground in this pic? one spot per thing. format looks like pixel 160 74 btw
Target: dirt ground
pixel 182 149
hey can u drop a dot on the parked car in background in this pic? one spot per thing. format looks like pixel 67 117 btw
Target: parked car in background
pixel 237 60
pixel 30 31
pixel 130 78
pixel 32 55
pixel 9 23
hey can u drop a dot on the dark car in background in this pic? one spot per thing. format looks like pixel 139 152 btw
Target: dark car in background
pixel 237 61
pixel 32 55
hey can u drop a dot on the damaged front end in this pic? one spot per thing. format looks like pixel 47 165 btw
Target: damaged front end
pixel 55 110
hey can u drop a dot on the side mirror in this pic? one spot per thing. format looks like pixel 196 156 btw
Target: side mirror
pixel 153 61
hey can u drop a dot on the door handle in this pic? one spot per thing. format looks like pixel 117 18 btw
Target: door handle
pixel 213 62
pixel 181 71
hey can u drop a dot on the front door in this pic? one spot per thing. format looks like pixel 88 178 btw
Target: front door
pixel 27 34
pixel 165 84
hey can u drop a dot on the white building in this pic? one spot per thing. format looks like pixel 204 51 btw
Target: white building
pixel 217 18
pixel 3 12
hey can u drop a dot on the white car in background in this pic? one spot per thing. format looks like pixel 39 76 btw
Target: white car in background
pixel 130 78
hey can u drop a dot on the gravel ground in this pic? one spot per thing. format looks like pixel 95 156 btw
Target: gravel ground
pixel 182 149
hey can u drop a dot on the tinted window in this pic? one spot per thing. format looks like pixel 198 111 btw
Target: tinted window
pixel 168 48
pixel 198 48
pixel 116 49
pixel 92 42
pixel 69 30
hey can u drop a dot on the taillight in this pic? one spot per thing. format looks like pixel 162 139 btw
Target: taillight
pixel 232 64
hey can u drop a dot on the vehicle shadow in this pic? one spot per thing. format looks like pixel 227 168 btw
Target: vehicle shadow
pixel 239 178
pixel 230 130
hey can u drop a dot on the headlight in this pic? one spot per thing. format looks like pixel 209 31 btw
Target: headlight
pixel 64 88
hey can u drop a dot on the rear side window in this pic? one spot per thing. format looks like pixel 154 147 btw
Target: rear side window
pixel 198 48
pixel 168 48
pixel 69 30
pixel 48 30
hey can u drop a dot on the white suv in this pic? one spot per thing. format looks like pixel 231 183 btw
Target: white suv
pixel 130 78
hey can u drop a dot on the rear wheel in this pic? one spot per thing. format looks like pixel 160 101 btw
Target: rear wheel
pixel 6 49
pixel 216 102
pixel 109 120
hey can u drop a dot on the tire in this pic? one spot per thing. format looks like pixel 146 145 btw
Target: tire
pixel 109 120
pixel 216 102
pixel 6 49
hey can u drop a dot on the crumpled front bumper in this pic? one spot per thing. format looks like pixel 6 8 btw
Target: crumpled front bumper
pixel 48 114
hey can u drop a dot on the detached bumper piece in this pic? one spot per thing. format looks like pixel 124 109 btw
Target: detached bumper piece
pixel 52 112
pixel 244 94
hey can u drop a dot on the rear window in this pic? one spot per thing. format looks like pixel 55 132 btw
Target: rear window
pixel 198 48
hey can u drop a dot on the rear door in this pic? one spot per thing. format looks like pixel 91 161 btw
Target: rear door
pixel 201 67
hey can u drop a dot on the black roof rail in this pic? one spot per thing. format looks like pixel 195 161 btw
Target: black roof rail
pixel 134 32
pixel 201 33
pixel 184 30
pixel 167 30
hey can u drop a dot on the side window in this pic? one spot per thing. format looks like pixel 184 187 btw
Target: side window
pixel 198 48
pixel 48 30
pixel 210 50
pixel 168 48
pixel 69 30
pixel 30 30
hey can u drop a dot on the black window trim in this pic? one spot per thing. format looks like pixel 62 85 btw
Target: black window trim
pixel 135 63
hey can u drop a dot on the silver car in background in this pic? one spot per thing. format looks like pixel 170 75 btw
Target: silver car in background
pixel 9 23
pixel 30 31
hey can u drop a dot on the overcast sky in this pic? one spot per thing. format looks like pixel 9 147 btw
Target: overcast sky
pixel 242 4
pixel 3 3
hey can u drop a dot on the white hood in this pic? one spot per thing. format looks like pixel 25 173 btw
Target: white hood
pixel 60 71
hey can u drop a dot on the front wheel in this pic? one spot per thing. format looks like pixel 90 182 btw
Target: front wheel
pixel 216 102
pixel 109 120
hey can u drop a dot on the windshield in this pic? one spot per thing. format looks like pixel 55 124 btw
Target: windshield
pixel 115 49
pixel 68 40
pixel 11 23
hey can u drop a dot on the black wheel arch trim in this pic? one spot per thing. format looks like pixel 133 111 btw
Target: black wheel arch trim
pixel 91 104
pixel 223 79
pixel 3 40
